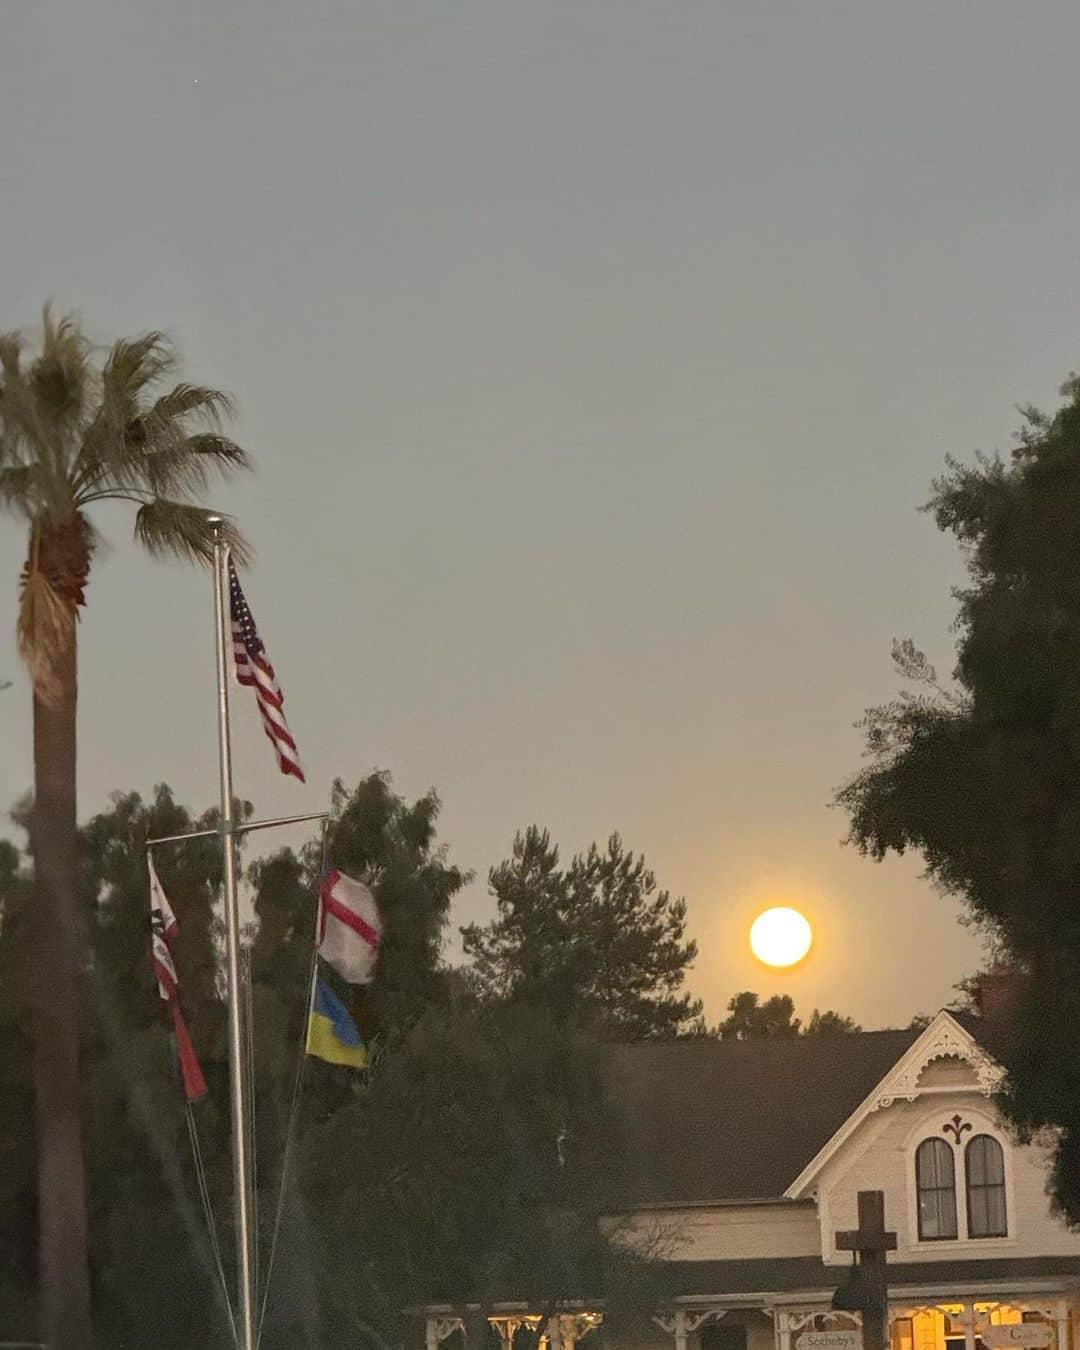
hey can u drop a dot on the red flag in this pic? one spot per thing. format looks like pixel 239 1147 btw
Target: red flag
pixel 191 1070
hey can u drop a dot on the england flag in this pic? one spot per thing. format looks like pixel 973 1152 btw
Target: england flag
pixel 350 928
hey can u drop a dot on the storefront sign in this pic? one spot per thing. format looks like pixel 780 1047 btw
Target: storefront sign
pixel 830 1340
pixel 1029 1335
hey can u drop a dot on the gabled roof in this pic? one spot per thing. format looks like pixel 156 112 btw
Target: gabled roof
pixel 947 1036
pixel 712 1121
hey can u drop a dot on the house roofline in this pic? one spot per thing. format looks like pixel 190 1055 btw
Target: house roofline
pixel 943 1037
pixel 898 1294
pixel 751 1202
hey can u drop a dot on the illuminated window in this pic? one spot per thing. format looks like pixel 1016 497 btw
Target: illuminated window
pixel 984 1165
pixel 935 1180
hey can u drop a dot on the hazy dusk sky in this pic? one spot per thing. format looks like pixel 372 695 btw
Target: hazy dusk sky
pixel 596 358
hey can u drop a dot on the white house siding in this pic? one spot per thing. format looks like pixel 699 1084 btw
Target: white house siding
pixel 724 1233
pixel 880 1156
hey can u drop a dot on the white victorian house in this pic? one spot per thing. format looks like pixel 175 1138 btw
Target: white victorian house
pixel 746 1158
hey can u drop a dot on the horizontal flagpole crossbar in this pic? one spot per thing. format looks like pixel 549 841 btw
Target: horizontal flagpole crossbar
pixel 244 828
pixel 248 826
pixel 179 838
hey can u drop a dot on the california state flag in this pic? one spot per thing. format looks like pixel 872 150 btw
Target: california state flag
pixel 163 931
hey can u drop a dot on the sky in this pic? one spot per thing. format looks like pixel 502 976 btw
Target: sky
pixel 596 359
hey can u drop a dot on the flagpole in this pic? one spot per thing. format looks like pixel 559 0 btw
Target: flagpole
pixel 240 1129
pixel 298 1083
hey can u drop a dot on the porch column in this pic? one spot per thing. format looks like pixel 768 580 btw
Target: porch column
pixel 554 1333
pixel 682 1323
pixel 674 1323
pixel 1061 1325
pixel 969 1326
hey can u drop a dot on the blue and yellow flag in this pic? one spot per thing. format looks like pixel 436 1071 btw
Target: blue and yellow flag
pixel 332 1033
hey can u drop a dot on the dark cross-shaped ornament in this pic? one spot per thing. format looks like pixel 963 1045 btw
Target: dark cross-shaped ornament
pixel 865 1290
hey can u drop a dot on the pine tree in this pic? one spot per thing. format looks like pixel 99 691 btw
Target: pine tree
pixel 595 941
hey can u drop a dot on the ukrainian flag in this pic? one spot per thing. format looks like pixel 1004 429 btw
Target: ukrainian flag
pixel 332 1033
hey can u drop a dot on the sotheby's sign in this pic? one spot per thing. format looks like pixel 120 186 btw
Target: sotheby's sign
pixel 829 1340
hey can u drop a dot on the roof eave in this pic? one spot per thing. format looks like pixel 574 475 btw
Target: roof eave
pixel 943 1036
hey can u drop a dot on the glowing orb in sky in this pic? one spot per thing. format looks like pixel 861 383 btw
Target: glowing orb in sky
pixel 780 936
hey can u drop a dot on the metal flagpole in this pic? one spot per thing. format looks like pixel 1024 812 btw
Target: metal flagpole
pixel 241 1139
pixel 239 1030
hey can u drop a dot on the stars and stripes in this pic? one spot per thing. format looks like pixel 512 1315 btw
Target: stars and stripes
pixel 253 668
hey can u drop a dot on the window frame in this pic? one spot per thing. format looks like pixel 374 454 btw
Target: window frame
pixel 930 1142
pixel 926 1125
pixel 985 1186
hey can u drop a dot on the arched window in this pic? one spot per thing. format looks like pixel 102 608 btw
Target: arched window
pixel 935 1179
pixel 984 1164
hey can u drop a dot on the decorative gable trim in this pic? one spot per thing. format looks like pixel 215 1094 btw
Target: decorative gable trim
pixel 944 1038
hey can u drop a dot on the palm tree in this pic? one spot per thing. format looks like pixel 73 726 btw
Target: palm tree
pixel 75 430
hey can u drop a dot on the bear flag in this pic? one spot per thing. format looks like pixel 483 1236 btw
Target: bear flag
pixel 163 930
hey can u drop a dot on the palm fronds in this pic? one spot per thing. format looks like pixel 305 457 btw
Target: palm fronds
pixel 60 376
pixel 183 400
pixel 181 530
pixel 10 352
pixel 73 431
pixel 17 487
pixel 165 449
pixel 135 363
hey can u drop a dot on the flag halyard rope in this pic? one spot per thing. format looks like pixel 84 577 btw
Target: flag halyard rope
pixel 249 1015
pixel 298 1088
pixel 208 1212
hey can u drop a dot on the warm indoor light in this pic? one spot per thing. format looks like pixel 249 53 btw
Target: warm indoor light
pixel 780 936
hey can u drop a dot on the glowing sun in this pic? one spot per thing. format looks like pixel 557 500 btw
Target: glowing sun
pixel 780 936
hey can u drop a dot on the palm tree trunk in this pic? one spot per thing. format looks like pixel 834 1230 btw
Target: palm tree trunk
pixel 57 956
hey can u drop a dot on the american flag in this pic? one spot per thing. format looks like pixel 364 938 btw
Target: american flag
pixel 253 668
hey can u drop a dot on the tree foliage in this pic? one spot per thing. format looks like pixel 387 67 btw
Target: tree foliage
pixel 141 1197
pixel 471 1159
pixel 829 1023
pixel 750 1019
pixel 595 940
pixel 982 776
pixel 476 1166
